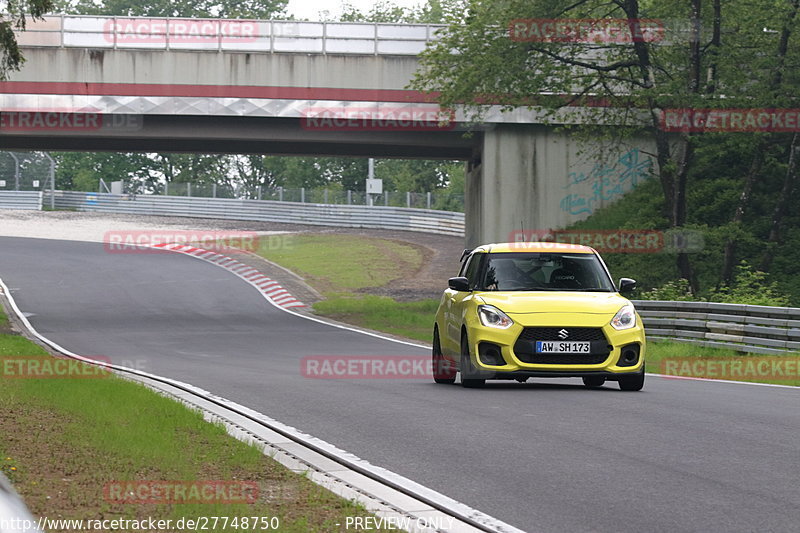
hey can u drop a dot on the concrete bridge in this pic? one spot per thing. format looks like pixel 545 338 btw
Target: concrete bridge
pixel 276 87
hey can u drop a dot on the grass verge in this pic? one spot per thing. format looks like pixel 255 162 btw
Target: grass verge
pixel 335 263
pixel 64 438
pixel 413 320
pixel 339 265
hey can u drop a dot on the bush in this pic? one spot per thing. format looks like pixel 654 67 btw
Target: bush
pixel 673 291
pixel 749 287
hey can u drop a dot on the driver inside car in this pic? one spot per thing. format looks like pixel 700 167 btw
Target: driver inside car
pixel 505 275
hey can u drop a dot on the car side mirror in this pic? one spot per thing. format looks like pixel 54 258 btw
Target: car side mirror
pixel 626 285
pixel 459 284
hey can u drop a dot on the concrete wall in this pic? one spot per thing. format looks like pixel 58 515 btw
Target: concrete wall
pixel 216 68
pixel 532 177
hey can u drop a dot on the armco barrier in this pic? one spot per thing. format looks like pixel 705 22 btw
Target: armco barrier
pixel 745 328
pixel 21 200
pixel 350 216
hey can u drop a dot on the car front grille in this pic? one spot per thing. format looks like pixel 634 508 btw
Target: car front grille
pixel 525 347
pixel 552 334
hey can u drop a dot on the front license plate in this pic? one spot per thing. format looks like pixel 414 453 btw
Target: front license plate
pixel 562 347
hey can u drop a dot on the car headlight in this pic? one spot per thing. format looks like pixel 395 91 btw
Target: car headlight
pixel 625 318
pixel 493 317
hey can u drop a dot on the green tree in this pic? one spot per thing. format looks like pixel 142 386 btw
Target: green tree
pixel 431 12
pixel 774 88
pixel 637 79
pixel 82 172
pixel 416 175
pixel 252 9
pixel 12 19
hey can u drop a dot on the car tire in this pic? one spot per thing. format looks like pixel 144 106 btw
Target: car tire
pixel 632 382
pixel 469 373
pixel 594 382
pixel 443 369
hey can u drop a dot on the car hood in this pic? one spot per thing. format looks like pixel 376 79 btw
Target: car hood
pixel 517 302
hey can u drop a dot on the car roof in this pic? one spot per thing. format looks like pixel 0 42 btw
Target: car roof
pixel 508 247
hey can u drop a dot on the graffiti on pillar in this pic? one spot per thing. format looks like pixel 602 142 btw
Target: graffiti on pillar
pixel 605 182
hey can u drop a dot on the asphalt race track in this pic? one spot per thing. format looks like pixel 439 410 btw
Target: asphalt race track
pixel 543 456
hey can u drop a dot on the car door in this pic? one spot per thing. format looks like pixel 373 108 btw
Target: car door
pixel 454 312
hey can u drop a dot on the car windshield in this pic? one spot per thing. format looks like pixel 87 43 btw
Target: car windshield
pixel 545 272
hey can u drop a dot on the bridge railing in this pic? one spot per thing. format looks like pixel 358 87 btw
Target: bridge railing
pixel 740 327
pixel 271 36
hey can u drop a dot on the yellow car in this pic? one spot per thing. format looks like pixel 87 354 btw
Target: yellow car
pixel 523 310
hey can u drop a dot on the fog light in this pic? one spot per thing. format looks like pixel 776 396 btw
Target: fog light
pixel 629 355
pixel 490 354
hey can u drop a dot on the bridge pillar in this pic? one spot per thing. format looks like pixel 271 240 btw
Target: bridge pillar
pixel 532 177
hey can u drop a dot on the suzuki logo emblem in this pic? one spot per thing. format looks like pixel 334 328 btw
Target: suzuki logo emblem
pixel 563 334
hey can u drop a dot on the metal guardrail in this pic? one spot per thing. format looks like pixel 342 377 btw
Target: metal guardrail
pixel 440 200
pixel 228 35
pixel 350 216
pixel 14 516
pixel 745 328
pixel 21 200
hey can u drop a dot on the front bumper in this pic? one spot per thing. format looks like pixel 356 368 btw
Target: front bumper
pixel 493 350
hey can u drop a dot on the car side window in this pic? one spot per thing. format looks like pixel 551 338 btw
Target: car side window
pixel 471 269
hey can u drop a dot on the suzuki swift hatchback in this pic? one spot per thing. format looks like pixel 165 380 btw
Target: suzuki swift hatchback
pixel 524 310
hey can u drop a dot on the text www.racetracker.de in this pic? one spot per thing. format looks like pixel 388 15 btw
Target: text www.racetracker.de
pixel 212 523
pixel 201 523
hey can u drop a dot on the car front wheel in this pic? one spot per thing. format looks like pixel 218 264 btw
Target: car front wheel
pixel 443 370
pixel 632 382
pixel 469 373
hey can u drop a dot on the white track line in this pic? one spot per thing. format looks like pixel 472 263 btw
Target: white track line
pixel 689 378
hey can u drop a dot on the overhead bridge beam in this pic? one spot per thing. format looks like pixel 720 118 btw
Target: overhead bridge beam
pixel 243 135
